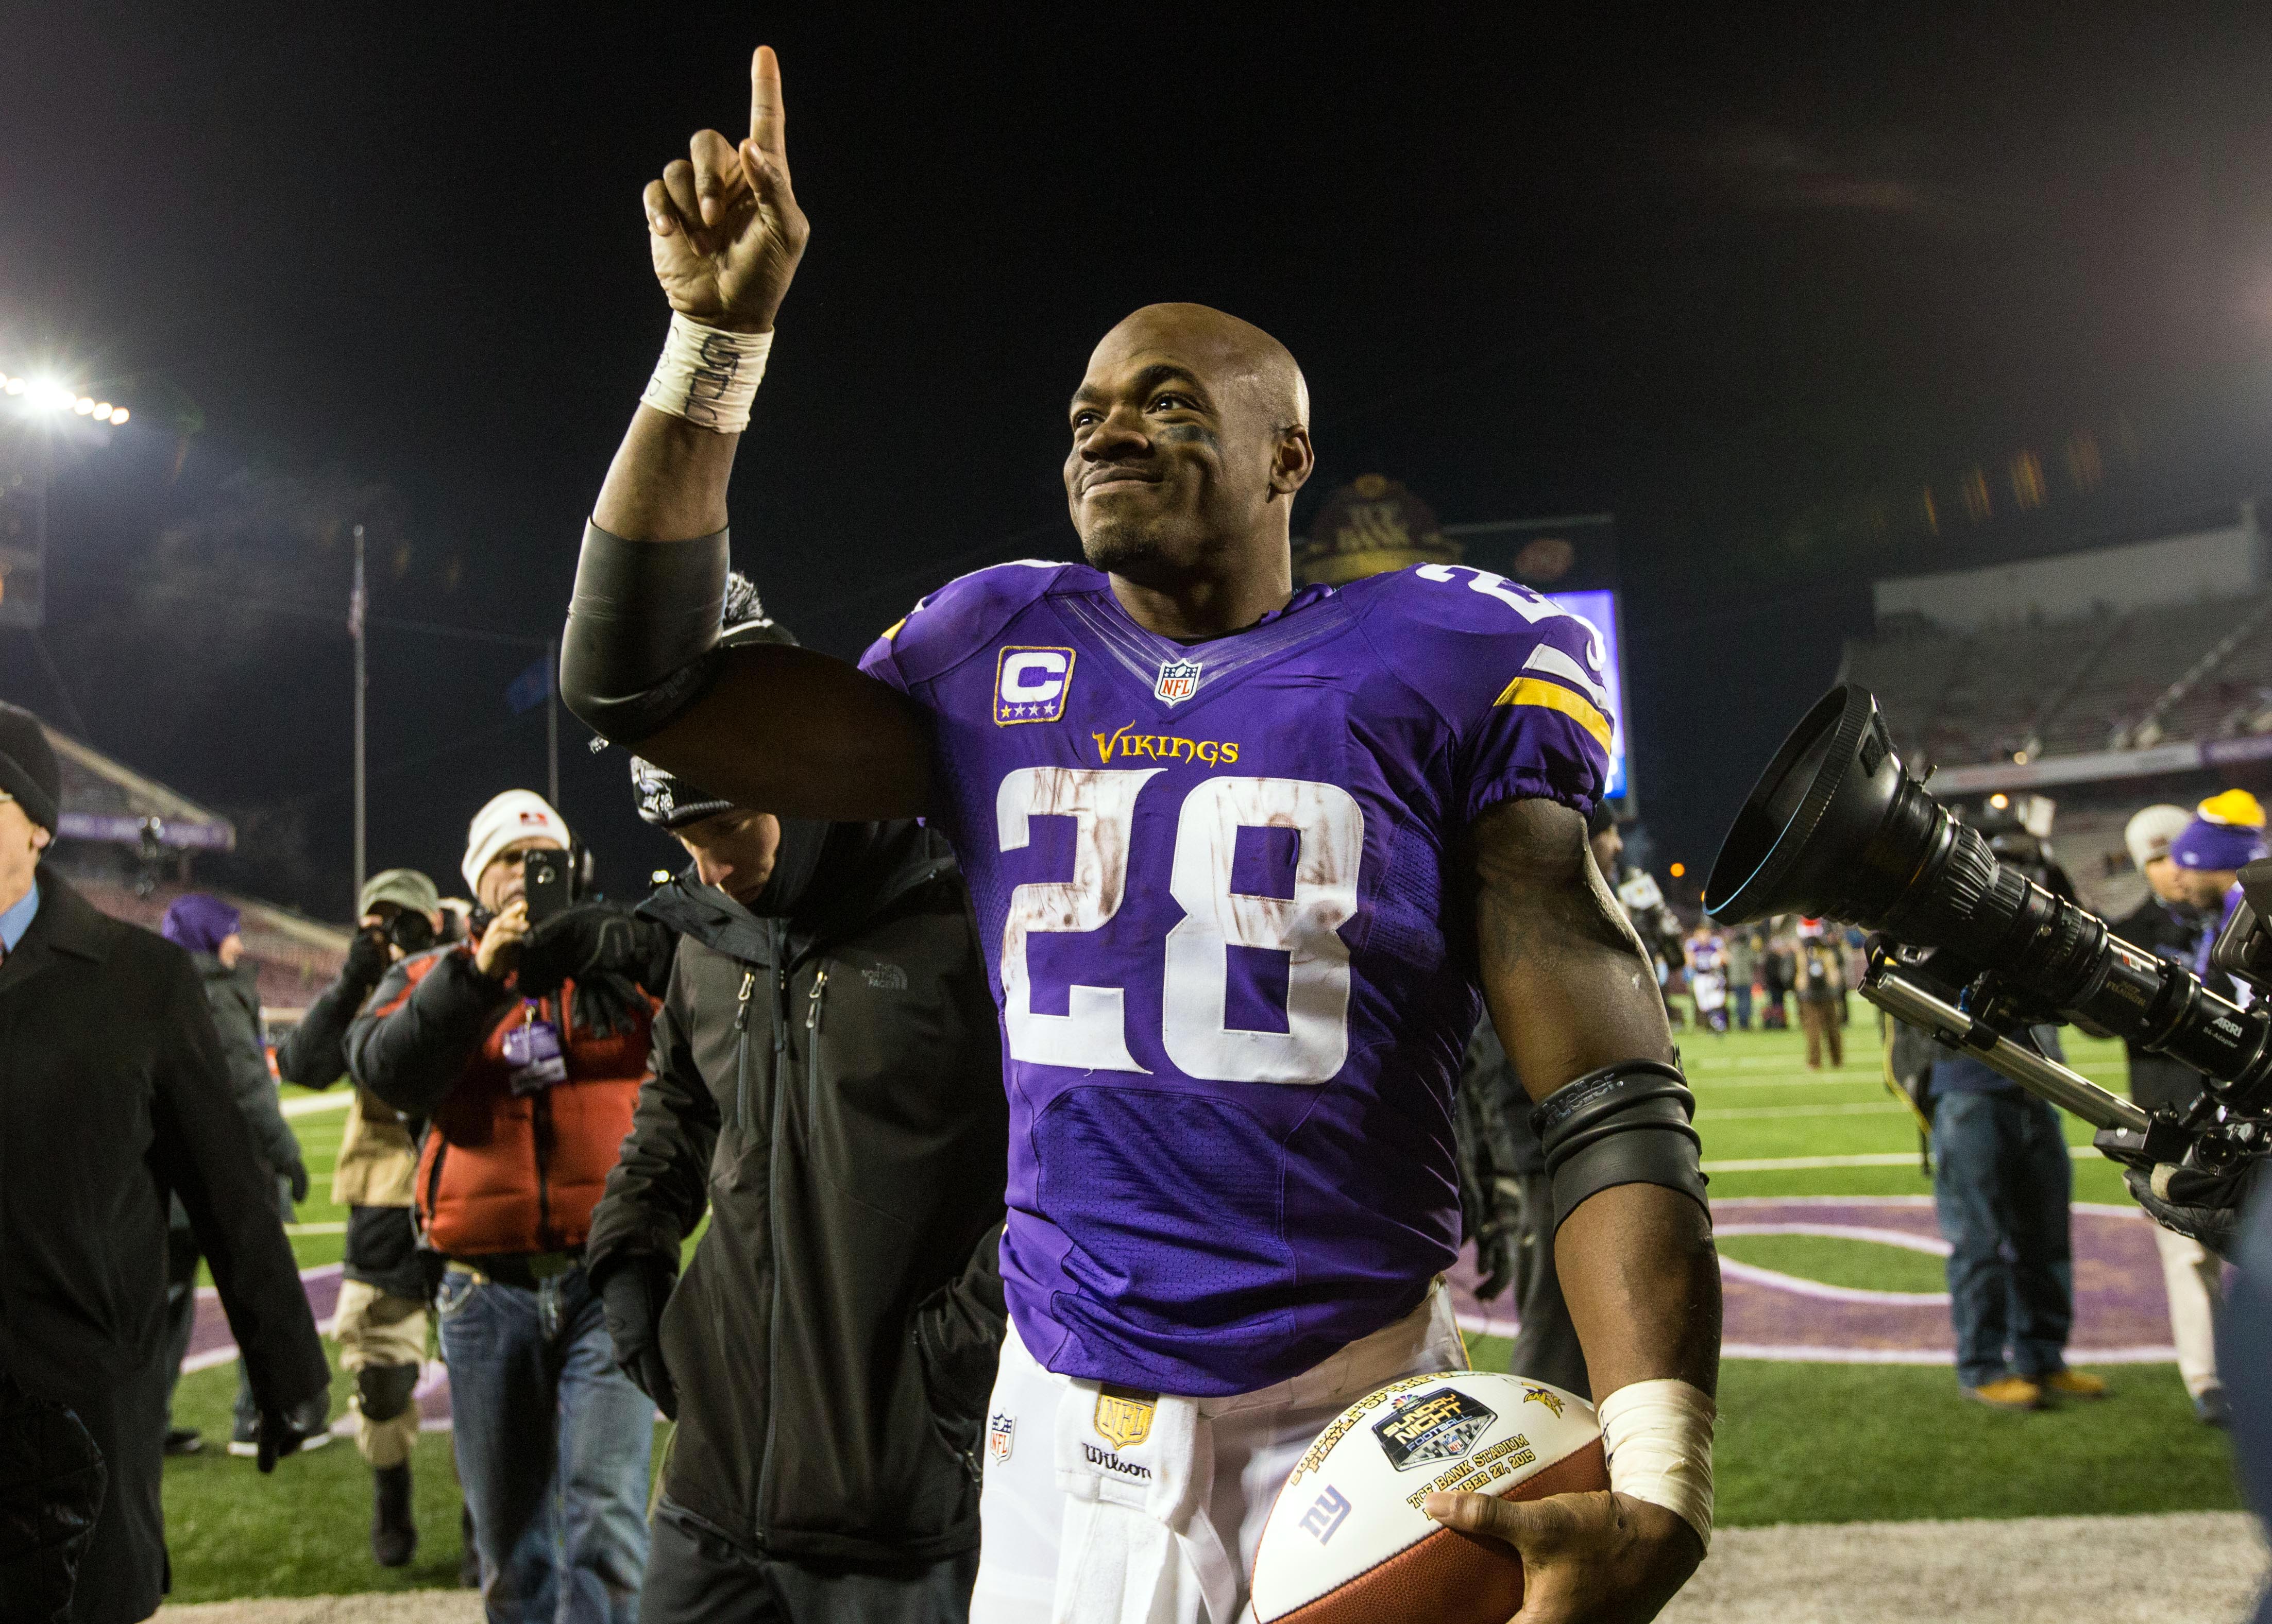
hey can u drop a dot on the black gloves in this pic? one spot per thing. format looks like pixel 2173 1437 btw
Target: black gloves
pixel 593 939
pixel 605 1004
pixel 2205 1206
pixel 282 1432
pixel 632 1296
pixel 297 1175
pixel 367 960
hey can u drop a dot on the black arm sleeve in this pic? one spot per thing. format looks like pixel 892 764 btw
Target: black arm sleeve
pixel 314 1053
pixel 659 1188
pixel 203 1149
pixel 410 1051
pixel 642 628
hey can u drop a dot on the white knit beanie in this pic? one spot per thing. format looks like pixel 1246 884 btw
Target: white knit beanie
pixel 516 815
pixel 2149 834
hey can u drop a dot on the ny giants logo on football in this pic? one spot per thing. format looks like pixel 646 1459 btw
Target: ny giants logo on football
pixel 1162 747
pixel 1030 685
pixel 1428 1427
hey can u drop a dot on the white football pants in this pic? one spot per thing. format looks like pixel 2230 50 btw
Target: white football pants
pixel 1125 1567
pixel 2194 1277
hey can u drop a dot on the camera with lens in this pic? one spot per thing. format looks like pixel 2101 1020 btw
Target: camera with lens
pixel 410 930
pixel 1979 945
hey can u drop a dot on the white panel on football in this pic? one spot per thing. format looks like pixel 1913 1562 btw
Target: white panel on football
pixel 1354 1501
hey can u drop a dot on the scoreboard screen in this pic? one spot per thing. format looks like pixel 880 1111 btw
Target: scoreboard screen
pixel 1599 610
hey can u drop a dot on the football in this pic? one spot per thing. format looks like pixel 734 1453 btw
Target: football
pixel 1347 1543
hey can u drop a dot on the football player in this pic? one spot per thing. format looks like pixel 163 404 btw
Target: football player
pixel 1245 859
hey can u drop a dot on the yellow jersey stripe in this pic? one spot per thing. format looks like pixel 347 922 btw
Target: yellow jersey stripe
pixel 1554 696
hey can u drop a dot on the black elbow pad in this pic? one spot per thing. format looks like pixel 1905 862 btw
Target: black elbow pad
pixel 1624 1124
pixel 642 634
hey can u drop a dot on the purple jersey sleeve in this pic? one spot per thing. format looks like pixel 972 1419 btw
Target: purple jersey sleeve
pixel 1517 683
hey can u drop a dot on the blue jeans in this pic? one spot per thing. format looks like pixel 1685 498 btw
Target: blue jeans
pixel 2001 1179
pixel 553 1444
pixel 1742 993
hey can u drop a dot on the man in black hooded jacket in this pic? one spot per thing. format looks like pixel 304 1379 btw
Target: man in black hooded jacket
pixel 827 1082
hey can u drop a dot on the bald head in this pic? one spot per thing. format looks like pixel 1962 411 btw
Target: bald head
pixel 1238 352
pixel 1189 437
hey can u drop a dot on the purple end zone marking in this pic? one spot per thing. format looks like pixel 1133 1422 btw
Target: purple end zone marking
pixel 2121 1313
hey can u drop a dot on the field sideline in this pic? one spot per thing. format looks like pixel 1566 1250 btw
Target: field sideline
pixel 1807 1442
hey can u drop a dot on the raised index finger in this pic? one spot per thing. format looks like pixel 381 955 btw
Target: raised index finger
pixel 768 121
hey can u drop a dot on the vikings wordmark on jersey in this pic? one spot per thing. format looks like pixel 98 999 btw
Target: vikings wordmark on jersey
pixel 1220 923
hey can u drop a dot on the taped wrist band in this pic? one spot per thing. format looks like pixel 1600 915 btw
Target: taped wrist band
pixel 709 376
pixel 1623 1124
pixel 1658 1438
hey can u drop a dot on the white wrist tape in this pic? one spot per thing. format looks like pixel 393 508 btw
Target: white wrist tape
pixel 1658 1436
pixel 709 376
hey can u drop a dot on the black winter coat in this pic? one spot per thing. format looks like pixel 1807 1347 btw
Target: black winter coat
pixel 831 1087
pixel 113 1093
pixel 233 996
pixel 2157 1079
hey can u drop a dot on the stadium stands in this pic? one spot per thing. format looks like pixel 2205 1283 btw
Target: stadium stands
pixel 2074 675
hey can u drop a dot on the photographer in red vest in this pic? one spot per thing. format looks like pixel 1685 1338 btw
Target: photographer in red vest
pixel 521 1052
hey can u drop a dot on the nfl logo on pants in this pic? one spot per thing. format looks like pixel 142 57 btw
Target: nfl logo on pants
pixel 1179 680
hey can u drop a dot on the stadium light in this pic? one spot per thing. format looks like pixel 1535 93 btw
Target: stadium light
pixel 48 395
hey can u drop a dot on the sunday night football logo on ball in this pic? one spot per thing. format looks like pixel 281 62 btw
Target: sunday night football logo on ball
pixel 1428 1427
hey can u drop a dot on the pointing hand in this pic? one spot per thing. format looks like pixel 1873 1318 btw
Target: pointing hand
pixel 722 223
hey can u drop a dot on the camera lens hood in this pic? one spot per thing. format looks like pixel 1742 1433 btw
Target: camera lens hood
pixel 1808 839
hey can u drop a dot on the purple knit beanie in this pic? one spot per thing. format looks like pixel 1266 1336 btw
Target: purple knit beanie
pixel 197 923
pixel 2227 834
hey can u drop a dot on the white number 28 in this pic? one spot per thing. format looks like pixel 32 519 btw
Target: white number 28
pixel 1092 1034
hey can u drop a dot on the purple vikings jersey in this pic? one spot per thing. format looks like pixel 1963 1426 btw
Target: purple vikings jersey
pixel 1218 888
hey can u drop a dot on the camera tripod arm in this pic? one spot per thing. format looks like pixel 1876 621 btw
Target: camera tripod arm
pixel 2046 1079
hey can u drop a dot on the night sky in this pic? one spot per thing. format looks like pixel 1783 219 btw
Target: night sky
pixel 1755 286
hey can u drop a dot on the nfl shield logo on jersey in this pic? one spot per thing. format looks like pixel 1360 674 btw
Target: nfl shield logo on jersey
pixel 1179 680
pixel 1001 1433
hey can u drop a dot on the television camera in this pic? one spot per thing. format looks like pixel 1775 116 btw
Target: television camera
pixel 1976 952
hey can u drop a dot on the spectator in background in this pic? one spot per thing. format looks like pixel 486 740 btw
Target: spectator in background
pixel 1778 976
pixel 2165 924
pixel 1708 977
pixel 523 1049
pixel 116 1098
pixel 845 1128
pixel 2226 834
pixel 205 929
pixel 381 1327
pixel 2002 1183
pixel 1507 1202
pixel 1743 972
pixel 1819 973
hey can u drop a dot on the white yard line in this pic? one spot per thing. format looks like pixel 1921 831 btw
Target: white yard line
pixel 1902 1237
pixel 309 1104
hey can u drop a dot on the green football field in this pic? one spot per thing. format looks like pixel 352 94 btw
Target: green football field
pixel 1798 1442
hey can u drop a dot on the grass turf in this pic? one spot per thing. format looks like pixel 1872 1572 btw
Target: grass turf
pixel 1797 1442
pixel 1864 1263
